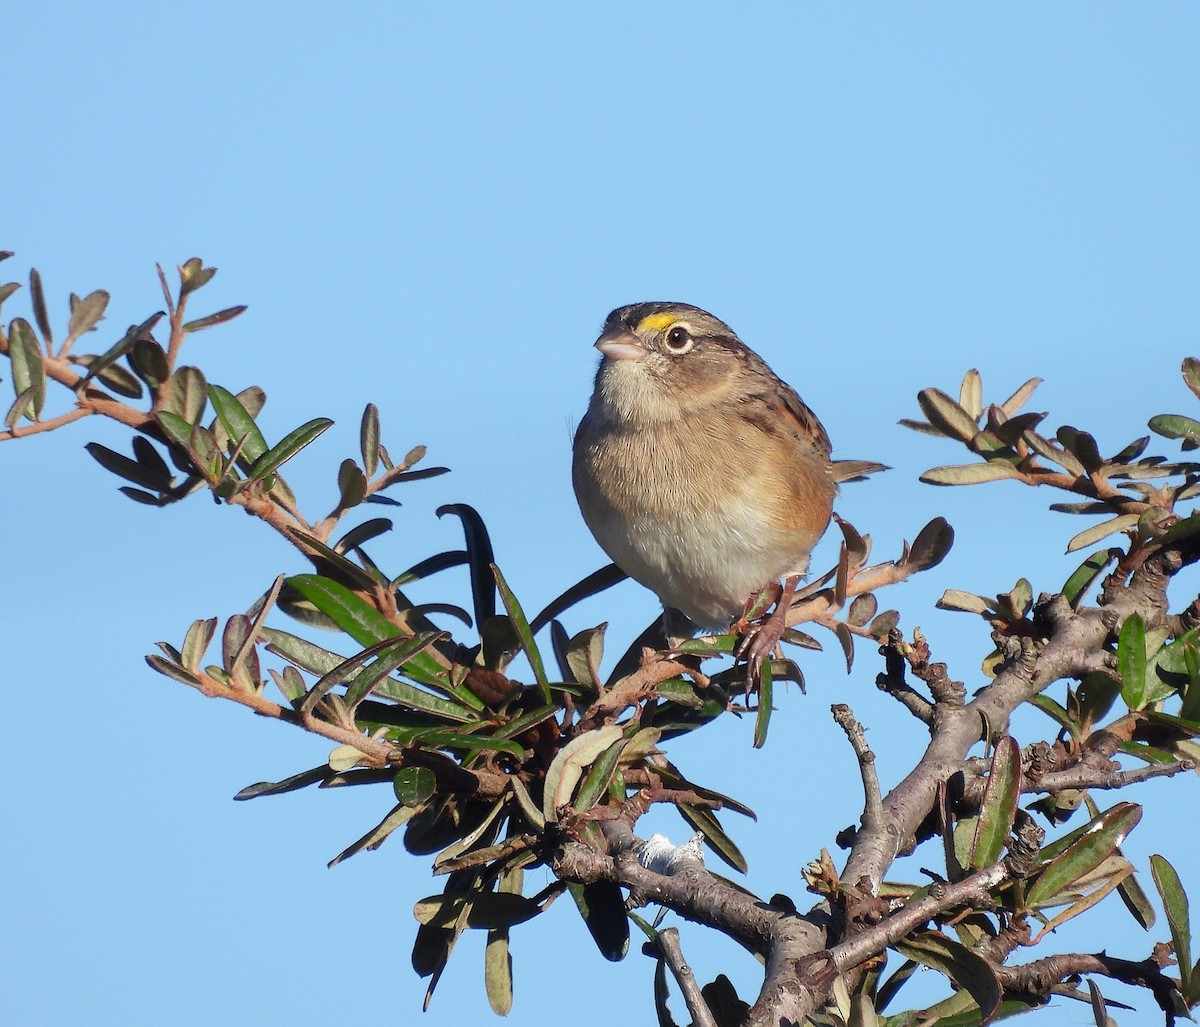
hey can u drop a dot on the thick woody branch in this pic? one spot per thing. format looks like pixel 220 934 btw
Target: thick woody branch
pixel 1040 977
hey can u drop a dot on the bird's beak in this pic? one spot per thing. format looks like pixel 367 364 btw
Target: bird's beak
pixel 621 344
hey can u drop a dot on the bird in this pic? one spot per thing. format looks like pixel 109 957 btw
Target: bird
pixel 703 475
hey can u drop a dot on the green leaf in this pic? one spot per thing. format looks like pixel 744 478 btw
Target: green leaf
pixel 1131 661
pixel 386 659
pixel 762 719
pixel 1019 398
pixel 595 784
pixel 705 821
pixel 1176 426
pixel 290 445
pixel 593 584
pixel 220 317
pixel 352 485
pixel 151 478
pixel 969 971
pixel 970 474
pixel 521 626
pixel 1096 532
pixel 38 300
pixel 87 313
pixel 931 545
pixel 968 602
pixel 1191 375
pixel 1082 444
pixel 946 415
pixel 238 424
pixel 497 960
pixel 194 275
pixel 172 670
pixel 567 768
pixel 361 533
pixel 970 394
pixel 290 784
pixel 1086 573
pixel 480 560
pixel 1136 902
pixel 414 785
pixel 366 625
pixel 185 396
pixel 1175 902
pixel 27 369
pixel 398 817
pixel 602 906
pixel 368 438
pixel 482 909
pixel 583 654
pixel 999 806
pixel 1107 831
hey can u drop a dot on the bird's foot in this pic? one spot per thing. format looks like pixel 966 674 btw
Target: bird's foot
pixel 761 637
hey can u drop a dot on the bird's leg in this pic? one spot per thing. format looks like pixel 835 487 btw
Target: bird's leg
pixel 759 640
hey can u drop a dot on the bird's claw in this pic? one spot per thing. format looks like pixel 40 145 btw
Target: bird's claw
pixel 759 640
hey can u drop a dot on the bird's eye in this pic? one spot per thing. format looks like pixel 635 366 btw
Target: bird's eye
pixel 679 340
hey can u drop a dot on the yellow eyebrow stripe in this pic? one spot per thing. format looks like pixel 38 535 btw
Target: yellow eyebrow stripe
pixel 657 322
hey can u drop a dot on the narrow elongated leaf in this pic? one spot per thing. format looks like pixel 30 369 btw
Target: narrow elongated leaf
pixel 970 474
pixel 1088 899
pixel 602 906
pixel 946 415
pixel 37 299
pixel 288 447
pixel 1175 902
pixel 27 370
pixel 762 719
pixel 220 317
pixel 970 394
pixel 1086 573
pixel 398 817
pixel 953 599
pixel 131 470
pixel 172 670
pixel 965 968
pixel 999 806
pixel 1019 398
pixel 497 960
pixel 288 784
pixel 1102 838
pixel 593 584
pixel 482 909
pixel 599 775
pixel 238 423
pixel 705 821
pixel 568 766
pixel 1096 532
pixel 361 533
pixel 1132 660
pixel 480 559
pixel 521 626
pixel 368 438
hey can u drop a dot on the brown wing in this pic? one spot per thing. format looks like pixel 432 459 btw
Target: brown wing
pixel 799 420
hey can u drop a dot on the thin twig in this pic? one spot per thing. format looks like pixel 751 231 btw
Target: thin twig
pixel 873 802
pixel 666 944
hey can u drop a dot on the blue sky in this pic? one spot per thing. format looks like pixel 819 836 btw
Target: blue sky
pixel 432 208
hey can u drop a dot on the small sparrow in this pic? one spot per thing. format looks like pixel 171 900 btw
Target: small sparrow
pixel 701 474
